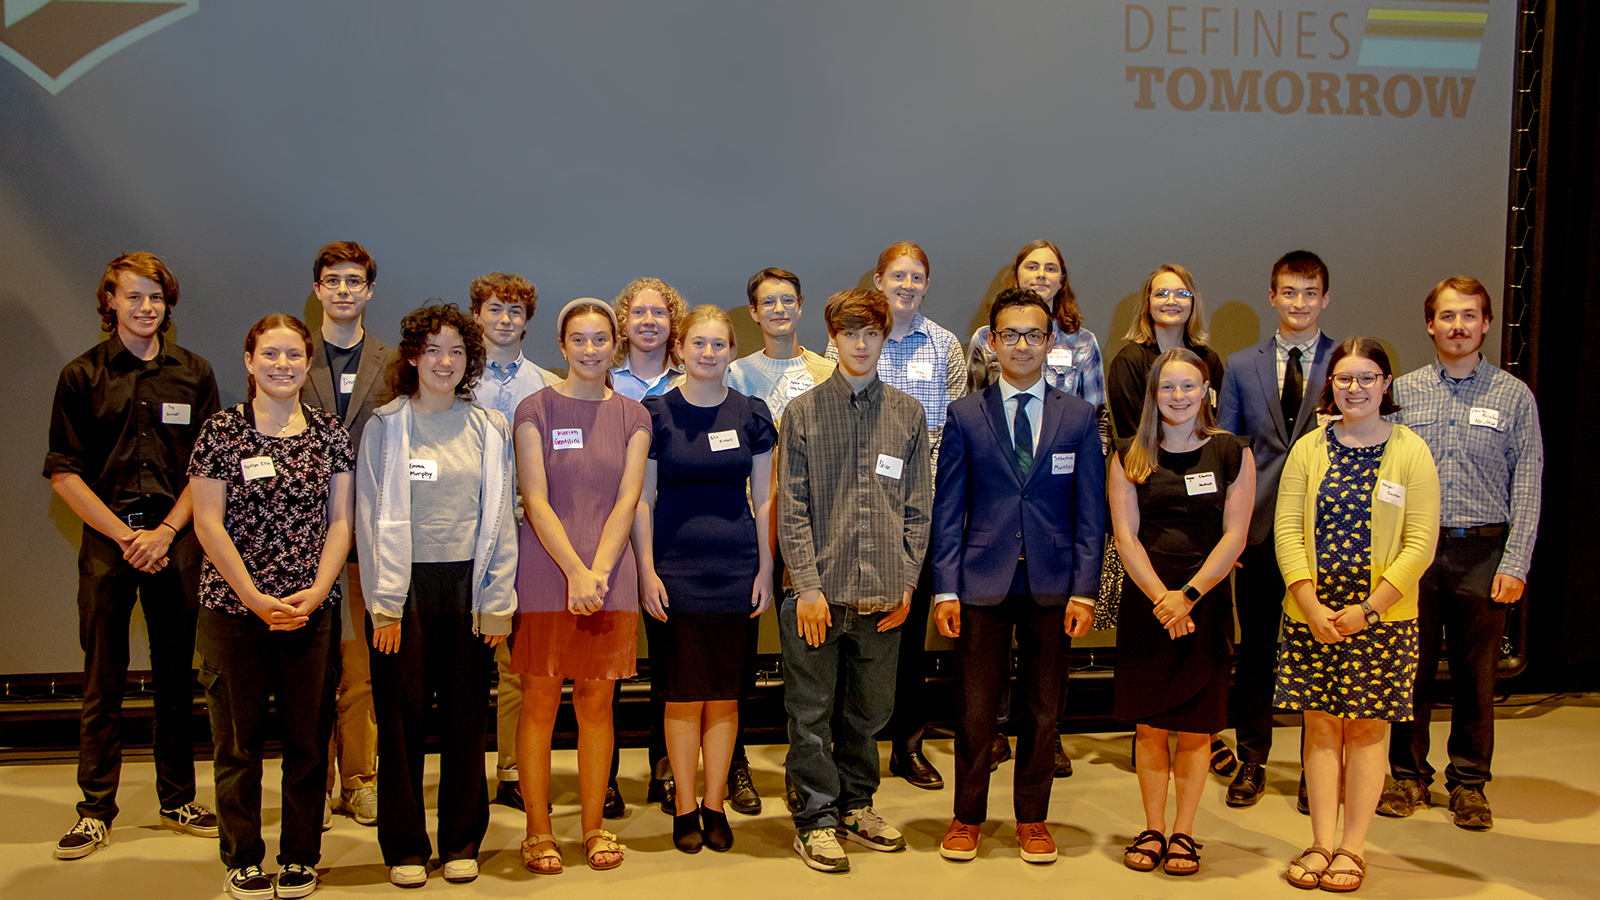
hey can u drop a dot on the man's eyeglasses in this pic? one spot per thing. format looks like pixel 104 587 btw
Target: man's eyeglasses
pixel 787 301
pixel 1033 336
pixel 353 282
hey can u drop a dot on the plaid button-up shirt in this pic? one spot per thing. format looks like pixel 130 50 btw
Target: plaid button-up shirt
pixel 854 493
pixel 930 365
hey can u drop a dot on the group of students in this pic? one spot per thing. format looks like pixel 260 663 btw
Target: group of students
pixel 496 515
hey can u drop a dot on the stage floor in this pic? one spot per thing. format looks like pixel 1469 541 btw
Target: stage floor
pixel 1544 844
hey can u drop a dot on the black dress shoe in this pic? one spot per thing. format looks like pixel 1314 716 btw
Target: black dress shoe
pixel 915 769
pixel 999 752
pixel 1302 800
pixel 742 794
pixel 614 808
pixel 1248 783
pixel 509 793
pixel 1063 762
pixel 791 794
pixel 663 788
pixel 714 830
pixel 686 832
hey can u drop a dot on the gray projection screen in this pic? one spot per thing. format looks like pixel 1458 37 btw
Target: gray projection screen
pixel 586 144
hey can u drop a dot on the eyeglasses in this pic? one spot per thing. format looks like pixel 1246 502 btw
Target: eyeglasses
pixel 787 301
pixel 1343 380
pixel 1033 336
pixel 1164 293
pixel 353 282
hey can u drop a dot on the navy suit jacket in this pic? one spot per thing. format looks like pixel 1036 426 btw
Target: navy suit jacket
pixel 986 515
pixel 1249 405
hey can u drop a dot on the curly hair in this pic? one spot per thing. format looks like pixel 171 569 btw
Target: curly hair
pixel 275 320
pixel 676 310
pixel 423 323
pixel 512 288
pixel 144 265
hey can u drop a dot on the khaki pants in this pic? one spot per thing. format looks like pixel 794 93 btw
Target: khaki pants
pixel 354 746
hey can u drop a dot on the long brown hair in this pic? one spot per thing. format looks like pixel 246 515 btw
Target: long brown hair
pixel 1143 329
pixel 1140 459
pixel 1064 309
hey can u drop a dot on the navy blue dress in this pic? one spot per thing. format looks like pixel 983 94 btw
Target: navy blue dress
pixel 705 540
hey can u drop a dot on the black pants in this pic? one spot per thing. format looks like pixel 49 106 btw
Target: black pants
pixel 439 661
pixel 1259 598
pixel 910 717
pixel 107 589
pixel 245 664
pixel 982 667
pixel 1454 601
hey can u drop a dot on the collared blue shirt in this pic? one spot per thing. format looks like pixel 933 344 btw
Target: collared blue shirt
pixel 629 385
pixel 930 364
pixel 502 387
pixel 1484 434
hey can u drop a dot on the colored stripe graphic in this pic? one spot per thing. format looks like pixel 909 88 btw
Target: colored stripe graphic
pixel 1422 38
pixel 1401 29
pixel 1421 54
pixel 1419 15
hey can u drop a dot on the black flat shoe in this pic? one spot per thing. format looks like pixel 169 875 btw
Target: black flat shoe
pixel 791 795
pixel 1248 783
pixel 714 830
pixel 1302 799
pixel 614 808
pixel 686 834
pixel 663 788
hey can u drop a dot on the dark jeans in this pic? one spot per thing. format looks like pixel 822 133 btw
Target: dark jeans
pixel 1453 600
pixel 910 717
pixel 439 661
pixel 1259 592
pixel 982 667
pixel 245 664
pixel 107 589
pixel 836 770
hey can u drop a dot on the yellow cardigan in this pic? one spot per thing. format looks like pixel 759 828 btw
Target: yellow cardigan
pixel 1403 537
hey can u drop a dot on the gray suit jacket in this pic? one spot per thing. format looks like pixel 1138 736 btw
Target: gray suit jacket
pixel 371 388
pixel 1248 405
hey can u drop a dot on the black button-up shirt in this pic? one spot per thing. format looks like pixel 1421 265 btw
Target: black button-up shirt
pixel 127 425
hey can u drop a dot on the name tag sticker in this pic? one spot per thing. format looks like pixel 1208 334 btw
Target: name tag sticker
pixel 1063 463
pixel 257 467
pixel 424 470
pixel 567 438
pixel 174 413
pixel 724 440
pixel 919 371
pixel 1200 483
pixel 1060 358
pixel 799 384
pixel 890 466
pixel 1391 493
pixel 1479 415
pixel 347 382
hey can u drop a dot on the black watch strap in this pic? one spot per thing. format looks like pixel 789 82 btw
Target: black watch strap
pixel 1192 592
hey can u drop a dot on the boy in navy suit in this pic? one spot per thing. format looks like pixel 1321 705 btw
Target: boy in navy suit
pixel 1018 533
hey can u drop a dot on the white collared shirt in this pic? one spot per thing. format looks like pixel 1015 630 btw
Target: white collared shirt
pixel 1308 356
pixel 1009 402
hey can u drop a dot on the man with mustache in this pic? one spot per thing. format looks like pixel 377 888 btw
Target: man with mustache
pixel 1482 425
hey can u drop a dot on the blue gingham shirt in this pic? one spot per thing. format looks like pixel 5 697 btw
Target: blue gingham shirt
pixel 926 350
pixel 1484 434
pixel 1080 372
pixel 502 387
pixel 629 385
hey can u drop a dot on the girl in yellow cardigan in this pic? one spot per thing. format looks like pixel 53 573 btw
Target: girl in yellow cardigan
pixel 1356 525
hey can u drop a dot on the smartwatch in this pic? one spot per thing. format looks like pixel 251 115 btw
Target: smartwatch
pixel 1372 615
pixel 1192 592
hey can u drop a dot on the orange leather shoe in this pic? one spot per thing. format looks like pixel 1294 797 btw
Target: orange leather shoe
pixel 1036 844
pixel 960 842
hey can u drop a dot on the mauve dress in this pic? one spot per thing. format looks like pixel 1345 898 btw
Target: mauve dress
pixel 546 639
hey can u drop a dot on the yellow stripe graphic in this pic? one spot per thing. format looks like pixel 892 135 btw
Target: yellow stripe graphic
pixel 1413 15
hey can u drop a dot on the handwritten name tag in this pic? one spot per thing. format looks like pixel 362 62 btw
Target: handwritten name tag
pixel 799 384
pixel 1200 483
pixel 1060 358
pixel 1479 415
pixel 257 467
pixel 919 371
pixel 347 382
pixel 424 470
pixel 724 440
pixel 890 466
pixel 567 438
pixel 174 413
pixel 1063 463
pixel 1391 493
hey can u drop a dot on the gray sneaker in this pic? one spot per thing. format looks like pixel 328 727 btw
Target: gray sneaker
pixel 361 804
pixel 1470 808
pixel 867 828
pixel 1403 797
pixel 85 838
pixel 819 848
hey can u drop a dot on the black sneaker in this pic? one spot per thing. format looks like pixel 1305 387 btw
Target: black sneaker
pixel 248 883
pixel 296 880
pixel 191 818
pixel 85 838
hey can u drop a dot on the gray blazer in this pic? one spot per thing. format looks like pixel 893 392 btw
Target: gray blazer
pixel 371 388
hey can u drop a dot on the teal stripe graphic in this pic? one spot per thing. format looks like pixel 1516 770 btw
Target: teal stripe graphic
pixel 1419 54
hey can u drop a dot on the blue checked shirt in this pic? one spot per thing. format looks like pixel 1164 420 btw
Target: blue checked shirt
pixel 1484 434
pixel 502 387
pixel 1074 366
pixel 930 364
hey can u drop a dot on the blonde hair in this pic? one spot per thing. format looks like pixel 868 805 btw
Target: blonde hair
pixel 1143 329
pixel 676 310
pixel 1140 460
pixel 708 312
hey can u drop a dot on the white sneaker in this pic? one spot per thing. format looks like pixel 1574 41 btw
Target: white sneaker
pixel 408 876
pixel 460 871
pixel 867 828
pixel 361 804
pixel 819 848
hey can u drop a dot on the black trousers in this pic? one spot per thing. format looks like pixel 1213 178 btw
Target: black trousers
pixel 910 717
pixel 108 587
pixel 440 661
pixel 1454 602
pixel 982 667
pixel 245 664
pixel 1259 598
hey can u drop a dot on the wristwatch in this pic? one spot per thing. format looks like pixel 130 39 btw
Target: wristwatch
pixel 1192 592
pixel 1372 615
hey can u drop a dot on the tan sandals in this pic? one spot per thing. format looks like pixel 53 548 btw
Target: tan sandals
pixel 538 851
pixel 1359 873
pixel 1307 880
pixel 600 841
